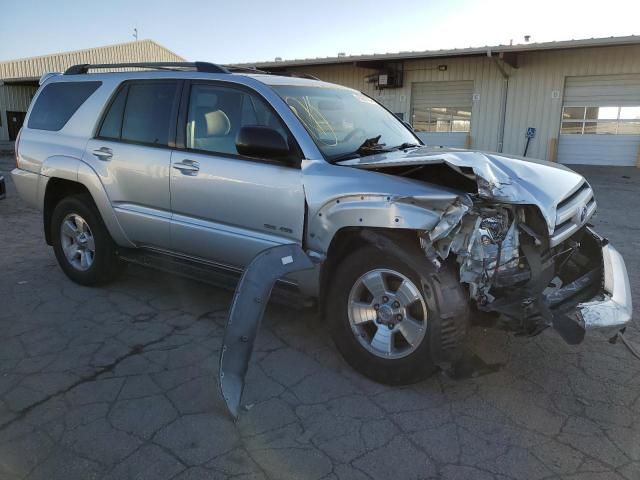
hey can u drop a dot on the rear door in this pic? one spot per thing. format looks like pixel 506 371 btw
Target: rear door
pixel 226 207
pixel 132 153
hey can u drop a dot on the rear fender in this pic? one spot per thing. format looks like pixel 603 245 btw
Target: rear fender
pixel 69 168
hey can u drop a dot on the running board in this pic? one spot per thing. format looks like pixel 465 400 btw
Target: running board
pixel 284 293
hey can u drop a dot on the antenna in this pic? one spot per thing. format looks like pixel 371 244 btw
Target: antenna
pixel 135 33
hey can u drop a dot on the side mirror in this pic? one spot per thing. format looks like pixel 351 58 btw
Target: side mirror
pixel 262 142
pixel 408 125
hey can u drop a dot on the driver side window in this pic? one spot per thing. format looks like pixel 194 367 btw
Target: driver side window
pixel 217 113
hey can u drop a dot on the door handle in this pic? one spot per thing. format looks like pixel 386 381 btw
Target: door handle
pixel 187 167
pixel 103 153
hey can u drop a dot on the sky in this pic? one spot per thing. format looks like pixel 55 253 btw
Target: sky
pixel 257 30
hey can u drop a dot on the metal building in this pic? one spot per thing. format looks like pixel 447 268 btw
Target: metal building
pixel 582 97
pixel 19 78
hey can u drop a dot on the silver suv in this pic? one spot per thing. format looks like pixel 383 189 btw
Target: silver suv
pixel 206 166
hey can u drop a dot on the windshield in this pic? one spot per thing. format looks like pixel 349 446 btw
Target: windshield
pixel 342 121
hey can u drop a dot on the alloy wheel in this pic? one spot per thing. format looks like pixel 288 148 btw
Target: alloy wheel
pixel 77 242
pixel 387 313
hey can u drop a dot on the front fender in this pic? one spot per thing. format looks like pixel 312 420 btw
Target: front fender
pixel 339 197
pixel 369 211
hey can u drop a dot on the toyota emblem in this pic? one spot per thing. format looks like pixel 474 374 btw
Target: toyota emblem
pixel 583 214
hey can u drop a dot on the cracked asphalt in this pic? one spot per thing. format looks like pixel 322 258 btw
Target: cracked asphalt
pixel 119 382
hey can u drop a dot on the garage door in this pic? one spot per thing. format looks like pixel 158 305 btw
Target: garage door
pixel 600 120
pixel 441 112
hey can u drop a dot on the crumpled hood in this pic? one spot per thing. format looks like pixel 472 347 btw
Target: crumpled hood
pixel 502 178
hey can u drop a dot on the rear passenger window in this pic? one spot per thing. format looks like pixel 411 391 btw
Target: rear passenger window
pixel 141 113
pixel 58 102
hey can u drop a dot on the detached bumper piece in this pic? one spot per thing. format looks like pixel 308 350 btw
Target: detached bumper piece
pixel 249 303
pixel 3 188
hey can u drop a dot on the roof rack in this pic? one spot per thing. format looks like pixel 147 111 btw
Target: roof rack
pixel 204 67
pixel 198 66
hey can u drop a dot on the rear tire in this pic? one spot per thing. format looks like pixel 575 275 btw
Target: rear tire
pixel 83 247
pixel 361 322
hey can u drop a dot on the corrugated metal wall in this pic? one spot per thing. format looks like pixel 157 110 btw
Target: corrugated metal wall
pixel 13 98
pixel 532 102
pixel 17 97
pixel 142 51
pixel 534 94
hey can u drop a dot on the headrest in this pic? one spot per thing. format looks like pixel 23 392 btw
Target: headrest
pixel 218 124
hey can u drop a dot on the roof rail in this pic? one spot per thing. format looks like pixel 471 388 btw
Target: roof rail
pixel 198 66
pixel 285 73
pixel 281 73
pixel 233 69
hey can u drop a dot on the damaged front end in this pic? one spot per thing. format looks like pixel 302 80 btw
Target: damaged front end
pixel 512 268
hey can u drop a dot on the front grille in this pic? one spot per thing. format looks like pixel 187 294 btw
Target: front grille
pixel 573 212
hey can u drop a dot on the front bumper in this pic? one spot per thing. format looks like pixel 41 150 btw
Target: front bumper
pixel 594 294
pixel 613 311
pixel 600 300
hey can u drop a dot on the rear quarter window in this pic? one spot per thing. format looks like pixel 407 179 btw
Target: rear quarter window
pixel 57 103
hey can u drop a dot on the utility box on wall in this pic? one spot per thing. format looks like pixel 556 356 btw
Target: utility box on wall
pixel 386 78
pixel 390 79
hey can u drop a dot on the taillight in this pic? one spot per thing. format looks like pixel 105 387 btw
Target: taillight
pixel 16 147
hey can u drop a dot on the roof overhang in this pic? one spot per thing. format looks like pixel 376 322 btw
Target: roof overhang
pixel 507 53
pixel 24 81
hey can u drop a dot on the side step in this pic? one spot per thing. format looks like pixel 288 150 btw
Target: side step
pixel 283 293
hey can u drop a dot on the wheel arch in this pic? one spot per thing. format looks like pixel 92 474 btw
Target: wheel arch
pixel 56 190
pixel 348 239
pixel 447 339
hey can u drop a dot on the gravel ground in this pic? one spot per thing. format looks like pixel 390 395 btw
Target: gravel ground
pixel 120 382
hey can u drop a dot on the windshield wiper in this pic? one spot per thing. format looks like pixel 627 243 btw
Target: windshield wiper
pixel 405 145
pixel 369 147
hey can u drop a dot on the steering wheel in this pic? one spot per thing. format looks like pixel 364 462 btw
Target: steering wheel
pixel 353 133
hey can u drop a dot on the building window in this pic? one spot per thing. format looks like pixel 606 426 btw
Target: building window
pixel 613 120
pixel 442 119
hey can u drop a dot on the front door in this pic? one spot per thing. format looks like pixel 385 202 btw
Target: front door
pixel 132 154
pixel 226 207
pixel 15 121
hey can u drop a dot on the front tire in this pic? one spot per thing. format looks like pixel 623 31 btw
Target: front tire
pixel 390 320
pixel 83 247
